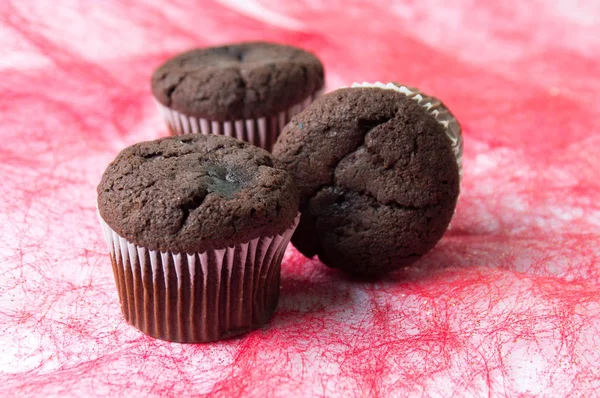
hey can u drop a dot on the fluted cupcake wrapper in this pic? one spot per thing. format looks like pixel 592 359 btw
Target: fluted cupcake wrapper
pixel 435 108
pixel 262 132
pixel 198 297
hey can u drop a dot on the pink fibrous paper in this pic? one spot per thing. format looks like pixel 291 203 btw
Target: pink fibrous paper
pixel 507 304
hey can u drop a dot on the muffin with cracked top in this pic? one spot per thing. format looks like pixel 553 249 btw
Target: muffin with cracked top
pixel 377 176
pixel 246 90
pixel 196 227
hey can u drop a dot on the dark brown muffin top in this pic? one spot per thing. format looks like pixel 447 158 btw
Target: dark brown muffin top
pixel 237 81
pixel 377 178
pixel 194 192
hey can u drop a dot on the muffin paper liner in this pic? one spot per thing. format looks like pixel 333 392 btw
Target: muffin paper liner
pixel 262 132
pixel 436 109
pixel 198 297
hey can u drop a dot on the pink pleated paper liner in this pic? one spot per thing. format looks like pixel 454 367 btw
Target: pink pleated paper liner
pixel 262 132
pixel 198 297
pixel 435 108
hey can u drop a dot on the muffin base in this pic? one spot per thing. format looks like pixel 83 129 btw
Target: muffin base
pixel 198 297
pixel 262 132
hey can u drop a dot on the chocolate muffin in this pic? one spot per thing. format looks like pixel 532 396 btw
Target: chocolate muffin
pixel 246 90
pixel 196 227
pixel 377 177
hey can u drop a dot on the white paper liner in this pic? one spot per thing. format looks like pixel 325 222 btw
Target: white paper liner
pixel 435 108
pixel 198 297
pixel 262 132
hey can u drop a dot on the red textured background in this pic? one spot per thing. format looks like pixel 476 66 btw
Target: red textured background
pixel 506 305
